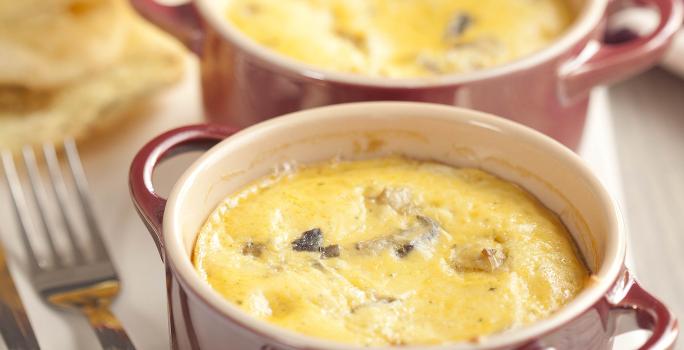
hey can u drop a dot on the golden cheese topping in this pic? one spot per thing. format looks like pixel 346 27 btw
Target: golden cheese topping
pixel 407 38
pixel 389 251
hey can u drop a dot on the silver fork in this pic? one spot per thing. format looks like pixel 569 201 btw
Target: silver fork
pixel 87 284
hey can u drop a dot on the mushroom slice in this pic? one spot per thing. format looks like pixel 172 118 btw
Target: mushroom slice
pixel 404 241
pixel 458 25
pixel 331 251
pixel 429 231
pixel 309 241
pixel 252 248
pixel 376 245
pixel 398 198
pixel 477 257
pixel 494 257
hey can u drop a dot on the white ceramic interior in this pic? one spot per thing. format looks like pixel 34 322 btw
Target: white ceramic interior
pixel 588 15
pixel 451 135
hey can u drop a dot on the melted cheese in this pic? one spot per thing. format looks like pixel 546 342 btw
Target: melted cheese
pixel 428 253
pixel 407 38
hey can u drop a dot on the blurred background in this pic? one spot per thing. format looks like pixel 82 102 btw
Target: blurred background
pixel 96 71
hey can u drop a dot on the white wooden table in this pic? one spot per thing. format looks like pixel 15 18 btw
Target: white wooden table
pixel 142 304
pixel 648 115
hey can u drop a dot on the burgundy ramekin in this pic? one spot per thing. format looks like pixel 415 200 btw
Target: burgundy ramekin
pixel 200 318
pixel 244 83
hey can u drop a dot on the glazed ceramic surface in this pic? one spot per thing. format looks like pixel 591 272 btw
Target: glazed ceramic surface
pixel 244 83
pixel 201 319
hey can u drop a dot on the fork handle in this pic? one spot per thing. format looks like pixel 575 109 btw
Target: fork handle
pixel 107 327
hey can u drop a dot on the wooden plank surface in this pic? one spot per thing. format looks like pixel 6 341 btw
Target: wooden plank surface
pixel 648 117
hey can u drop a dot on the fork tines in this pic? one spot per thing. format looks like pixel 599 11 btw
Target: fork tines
pixel 45 202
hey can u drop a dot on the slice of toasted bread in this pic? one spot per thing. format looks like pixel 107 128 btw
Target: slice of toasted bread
pixel 48 43
pixel 149 61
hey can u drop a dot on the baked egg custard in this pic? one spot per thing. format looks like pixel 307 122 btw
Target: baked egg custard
pixel 389 251
pixel 406 38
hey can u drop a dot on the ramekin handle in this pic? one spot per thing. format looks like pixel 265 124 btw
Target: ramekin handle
pixel 651 314
pixel 147 202
pixel 181 21
pixel 602 63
